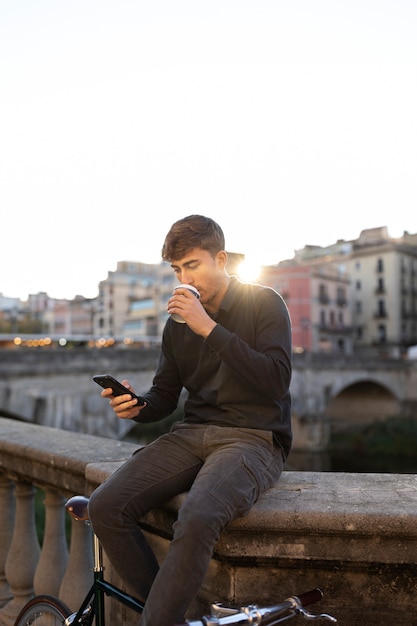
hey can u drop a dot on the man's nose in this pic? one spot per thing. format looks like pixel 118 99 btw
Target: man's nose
pixel 185 278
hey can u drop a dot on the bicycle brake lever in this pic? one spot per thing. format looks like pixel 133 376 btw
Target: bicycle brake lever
pixel 220 610
pixel 311 616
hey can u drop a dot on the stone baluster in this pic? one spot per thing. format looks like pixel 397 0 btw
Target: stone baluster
pixel 79 574
pixel 7 509
pixel 23 554
pixel 54 556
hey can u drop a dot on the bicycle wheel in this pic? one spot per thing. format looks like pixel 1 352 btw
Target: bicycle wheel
pixel 43 611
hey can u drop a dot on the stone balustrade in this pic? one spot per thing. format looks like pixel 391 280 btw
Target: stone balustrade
pixel 354 535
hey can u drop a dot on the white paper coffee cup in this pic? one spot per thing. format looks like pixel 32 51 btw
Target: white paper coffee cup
pixel 194 291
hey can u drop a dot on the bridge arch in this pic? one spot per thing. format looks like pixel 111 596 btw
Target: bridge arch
pixel 360 403
pixel 382 379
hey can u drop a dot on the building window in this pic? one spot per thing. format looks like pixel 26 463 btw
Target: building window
pixel 381 286
pixel 381 308
pixel 358 285
pixel 380 265
pixel 382 333
pixel 323 295
pixel 341 296
pixel 358 306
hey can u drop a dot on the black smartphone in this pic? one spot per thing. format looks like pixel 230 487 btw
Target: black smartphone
pixel 105 381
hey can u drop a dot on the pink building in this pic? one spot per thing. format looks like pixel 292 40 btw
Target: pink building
pixel 317 295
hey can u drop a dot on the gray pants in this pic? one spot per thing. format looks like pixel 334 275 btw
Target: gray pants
pixel 223 469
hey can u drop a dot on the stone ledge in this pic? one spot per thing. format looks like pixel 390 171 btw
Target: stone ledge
pixel 303 517
pixel 361 518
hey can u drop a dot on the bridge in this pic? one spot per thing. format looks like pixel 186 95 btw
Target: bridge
pixel 54 387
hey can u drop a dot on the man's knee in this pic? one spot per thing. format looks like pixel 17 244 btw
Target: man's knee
pixel 99 507
pixel 206 522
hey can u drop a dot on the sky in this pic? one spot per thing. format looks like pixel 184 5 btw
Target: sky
pixel 291 123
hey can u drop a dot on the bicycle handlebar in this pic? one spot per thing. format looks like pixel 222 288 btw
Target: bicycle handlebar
pixel 310 597
pixel 255 615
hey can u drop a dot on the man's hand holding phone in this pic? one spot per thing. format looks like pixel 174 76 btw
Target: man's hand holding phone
pixel 125 403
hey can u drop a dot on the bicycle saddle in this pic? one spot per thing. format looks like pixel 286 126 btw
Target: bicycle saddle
pixel 77 506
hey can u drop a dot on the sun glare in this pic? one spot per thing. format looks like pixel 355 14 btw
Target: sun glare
pixel 249 271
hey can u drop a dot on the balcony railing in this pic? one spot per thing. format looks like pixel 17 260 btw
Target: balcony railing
pixel 336 328
pixel 380 315
pixel 324 298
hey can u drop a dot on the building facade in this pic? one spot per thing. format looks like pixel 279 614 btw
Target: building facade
pixel 317 295
pixel 357 296
pixel 131 283
pixel 384 280
pixel 352 296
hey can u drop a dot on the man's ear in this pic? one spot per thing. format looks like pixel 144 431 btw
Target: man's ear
pixel 221 259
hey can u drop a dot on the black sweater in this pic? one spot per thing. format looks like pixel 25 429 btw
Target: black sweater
pixel 239 375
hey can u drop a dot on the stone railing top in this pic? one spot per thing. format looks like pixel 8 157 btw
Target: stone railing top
pixel 55 458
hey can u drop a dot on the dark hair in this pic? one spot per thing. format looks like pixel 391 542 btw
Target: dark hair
pixel 194 231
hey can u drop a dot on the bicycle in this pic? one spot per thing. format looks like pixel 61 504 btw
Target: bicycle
pixel 44 610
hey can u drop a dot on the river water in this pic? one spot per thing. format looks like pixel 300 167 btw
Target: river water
pixel 350 461
pixel 329 461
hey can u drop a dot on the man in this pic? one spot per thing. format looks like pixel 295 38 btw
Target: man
pixel 233 356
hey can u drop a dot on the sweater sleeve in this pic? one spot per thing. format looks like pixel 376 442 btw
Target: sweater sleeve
pixel 266 364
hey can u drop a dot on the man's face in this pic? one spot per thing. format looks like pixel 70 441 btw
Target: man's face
pixel 205 273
